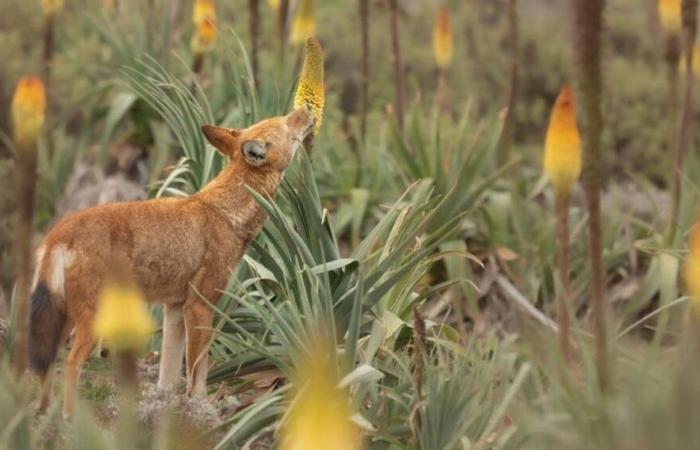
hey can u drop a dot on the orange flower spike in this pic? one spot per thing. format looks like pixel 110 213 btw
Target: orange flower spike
pixel 51 7
pixel 203 10
pixel 204 37
pixel 692 267
pixel 443 39
pixel 670 15
pixel 562 153
pixel 304 25
pixel 28 110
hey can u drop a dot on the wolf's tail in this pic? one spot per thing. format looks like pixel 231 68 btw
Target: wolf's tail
pixel 46 323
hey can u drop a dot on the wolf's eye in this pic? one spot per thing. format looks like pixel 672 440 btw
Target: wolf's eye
pixel 268 145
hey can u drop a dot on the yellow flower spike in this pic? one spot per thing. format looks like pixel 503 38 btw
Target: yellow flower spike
pixel 562 153
pixel 203 10
pixel 319 417
pixel 274 4
pixel 310 90
pixel 670 15
pixel 204 37
pixel 304 25
pixel 122 318
pixel 443 40
pixel 692 267
pixel 51 7
pixel 28 110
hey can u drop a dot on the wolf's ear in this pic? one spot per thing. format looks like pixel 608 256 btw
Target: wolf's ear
pixel 224 139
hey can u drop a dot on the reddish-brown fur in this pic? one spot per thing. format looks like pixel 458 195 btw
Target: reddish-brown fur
pixel 179 250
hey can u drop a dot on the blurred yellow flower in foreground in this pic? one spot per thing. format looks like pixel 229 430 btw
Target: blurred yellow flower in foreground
pixel 670 15
pixel 562 150
pixel 304 25
pixel 204 37
pixel 122 319
pixel 311 89
pixel 443 40
pixel 51 7
pixel 692 267
pixel 203 10
pixel 319 417
pixel 28 110
pixel 274 4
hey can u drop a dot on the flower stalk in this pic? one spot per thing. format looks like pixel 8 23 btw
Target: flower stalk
pixel 588 16
pixel 364 33
pixel 506 138
pixel 397 62
pixel 254 25
pixel 682 142
pixel 28 116
pixel 50 8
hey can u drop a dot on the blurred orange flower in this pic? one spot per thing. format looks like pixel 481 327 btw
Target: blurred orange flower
pixel 203 10
pixel 443 40
pixel 204 37
pixel 670 15
pixel 50 7
pixel 28 110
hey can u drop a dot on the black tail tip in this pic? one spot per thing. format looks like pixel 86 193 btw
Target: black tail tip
pixel 45 328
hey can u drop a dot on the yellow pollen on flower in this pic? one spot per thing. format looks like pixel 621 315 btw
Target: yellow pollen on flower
pixel 122 319
pixel 51 7
pixel 28 110
pixel 562 153
pixel 304 25
pixel 670 15
pixel 311 85
pixel 319 417
pixel 203 10
pixel 204 37
pixel 443 40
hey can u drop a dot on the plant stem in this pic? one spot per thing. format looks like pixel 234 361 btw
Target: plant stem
pixel 689 17
pixel 563 315
pixel 25 163
pixel 419 340
pixel 588 24
pixel 442 92
pixel 282 31
pixel 398 65
pixel 49 21
pixel 506 138
pixel 364 31
pixel 127 380
pixel 254 10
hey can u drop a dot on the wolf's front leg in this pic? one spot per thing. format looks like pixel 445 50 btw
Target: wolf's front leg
pixel 173 346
